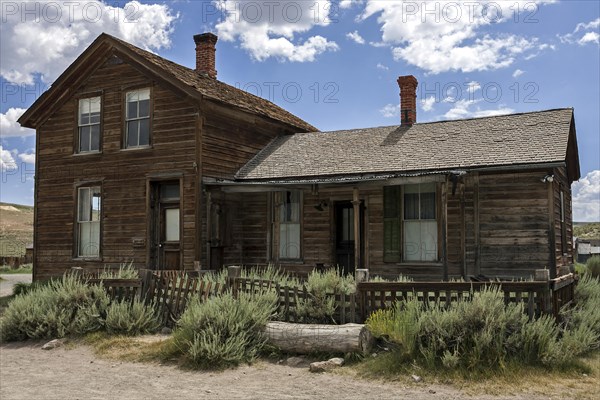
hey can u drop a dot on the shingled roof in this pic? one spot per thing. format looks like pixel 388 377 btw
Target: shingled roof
pixel 195 84
pixel 516 139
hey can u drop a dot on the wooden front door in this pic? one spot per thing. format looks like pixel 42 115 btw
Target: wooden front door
pixel 345 236
pixel 165 252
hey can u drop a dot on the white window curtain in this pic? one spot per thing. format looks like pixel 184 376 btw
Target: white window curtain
pixel 420 225
pixel 88 221
pixel 289 225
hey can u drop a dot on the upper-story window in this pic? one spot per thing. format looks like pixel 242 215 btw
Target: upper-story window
pixel 89 125
pixel 137 118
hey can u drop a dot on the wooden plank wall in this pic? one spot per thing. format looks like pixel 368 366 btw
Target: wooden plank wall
pixel 513 223
pixel 564 256
pixel 123 173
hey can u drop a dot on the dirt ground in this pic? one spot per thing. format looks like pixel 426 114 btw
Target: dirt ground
pixel 27 372
pixel 9 280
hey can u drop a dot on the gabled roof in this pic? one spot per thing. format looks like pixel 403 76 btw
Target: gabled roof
pixel 188 80
pixel 529 138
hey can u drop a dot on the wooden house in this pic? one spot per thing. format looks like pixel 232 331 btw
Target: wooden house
pixel 141 159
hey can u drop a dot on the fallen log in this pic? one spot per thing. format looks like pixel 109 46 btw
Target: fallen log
pixel 309 338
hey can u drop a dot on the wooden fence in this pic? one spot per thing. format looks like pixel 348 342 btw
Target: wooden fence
pixel 171 291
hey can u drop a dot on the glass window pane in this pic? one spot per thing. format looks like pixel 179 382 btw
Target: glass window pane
pixel 83 202
pixel 96 204
pixel 428 240
pixel 289 241
pixel 143 94
pixel 169 191
pixel 144 108
pixel 428 205
pixel 89 239
pixel 144 132
pixel 95 118
pixel 84 138
pixel 132 133
pixel 132 110
pixel 411 206
pixel 94 105
pixel 412 241
pixel 172 224
pixel 95 138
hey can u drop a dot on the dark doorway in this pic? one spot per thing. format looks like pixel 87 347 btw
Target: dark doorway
pixel 165 227
pixel 345 236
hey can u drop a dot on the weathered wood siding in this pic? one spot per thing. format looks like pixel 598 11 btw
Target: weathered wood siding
pixel 513 224
pixel 122 174
pixel 231 137
pixel 563 247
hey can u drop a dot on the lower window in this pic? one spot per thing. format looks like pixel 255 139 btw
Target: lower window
pixel 289 226
pixel 410 223
pixel 88 221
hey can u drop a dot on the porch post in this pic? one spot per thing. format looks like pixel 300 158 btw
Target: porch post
pixel 356 204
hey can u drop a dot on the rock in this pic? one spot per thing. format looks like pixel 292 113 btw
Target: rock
pixel 431 391
pixel 416 378
pixel 295 361
pixel 53 344
pixel 166 331
pixel 324 366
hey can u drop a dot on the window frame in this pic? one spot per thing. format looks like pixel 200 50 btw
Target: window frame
pixel 563 222
pixel 399 221
pixel 282 203
pixel 125 135
pixel 77 135
pixel 78 222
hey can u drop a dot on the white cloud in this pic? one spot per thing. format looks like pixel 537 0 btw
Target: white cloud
pixel 586 198
pixel 7 162
pixel 28 158
pixel 446 35
pixel 589 36
pixel 64 29
pixel 472 87
pixel 517 73
pixel 9 127
pixel 344 4
pixel 427 104
pixel 355 36
pixel 463 109
pixel 383 67
pixel 390 110
pixel 267 29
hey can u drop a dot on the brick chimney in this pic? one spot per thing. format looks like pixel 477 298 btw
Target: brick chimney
pixel 205 54
pixel 408 99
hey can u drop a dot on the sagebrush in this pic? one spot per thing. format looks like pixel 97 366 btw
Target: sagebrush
pixel 131 318
pixel 224 331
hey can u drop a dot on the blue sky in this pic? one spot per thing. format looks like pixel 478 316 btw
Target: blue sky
pixel 333 63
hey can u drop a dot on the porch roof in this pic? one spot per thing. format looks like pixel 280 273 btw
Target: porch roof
pixel 535 138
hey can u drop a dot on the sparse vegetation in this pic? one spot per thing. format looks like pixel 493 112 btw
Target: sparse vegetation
pixel 592 266
pixel 23 269
pixel 587 230
pixel 16 229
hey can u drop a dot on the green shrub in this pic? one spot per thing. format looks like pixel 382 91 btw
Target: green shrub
pixel 131 318
pixel 582 321
pixel 59 308
pixel 26 287
pixel 125 271
pixel 224 331
pixel 483 332
pixel 592 266
pixel 320 305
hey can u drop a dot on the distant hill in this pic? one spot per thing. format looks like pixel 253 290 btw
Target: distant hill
pixel 16 228
pixel 586 230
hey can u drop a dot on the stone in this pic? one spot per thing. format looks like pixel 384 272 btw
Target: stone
pixel 53 344
pixel 295 361
pixel 324 366
pixel 166 331
pixel 416 378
